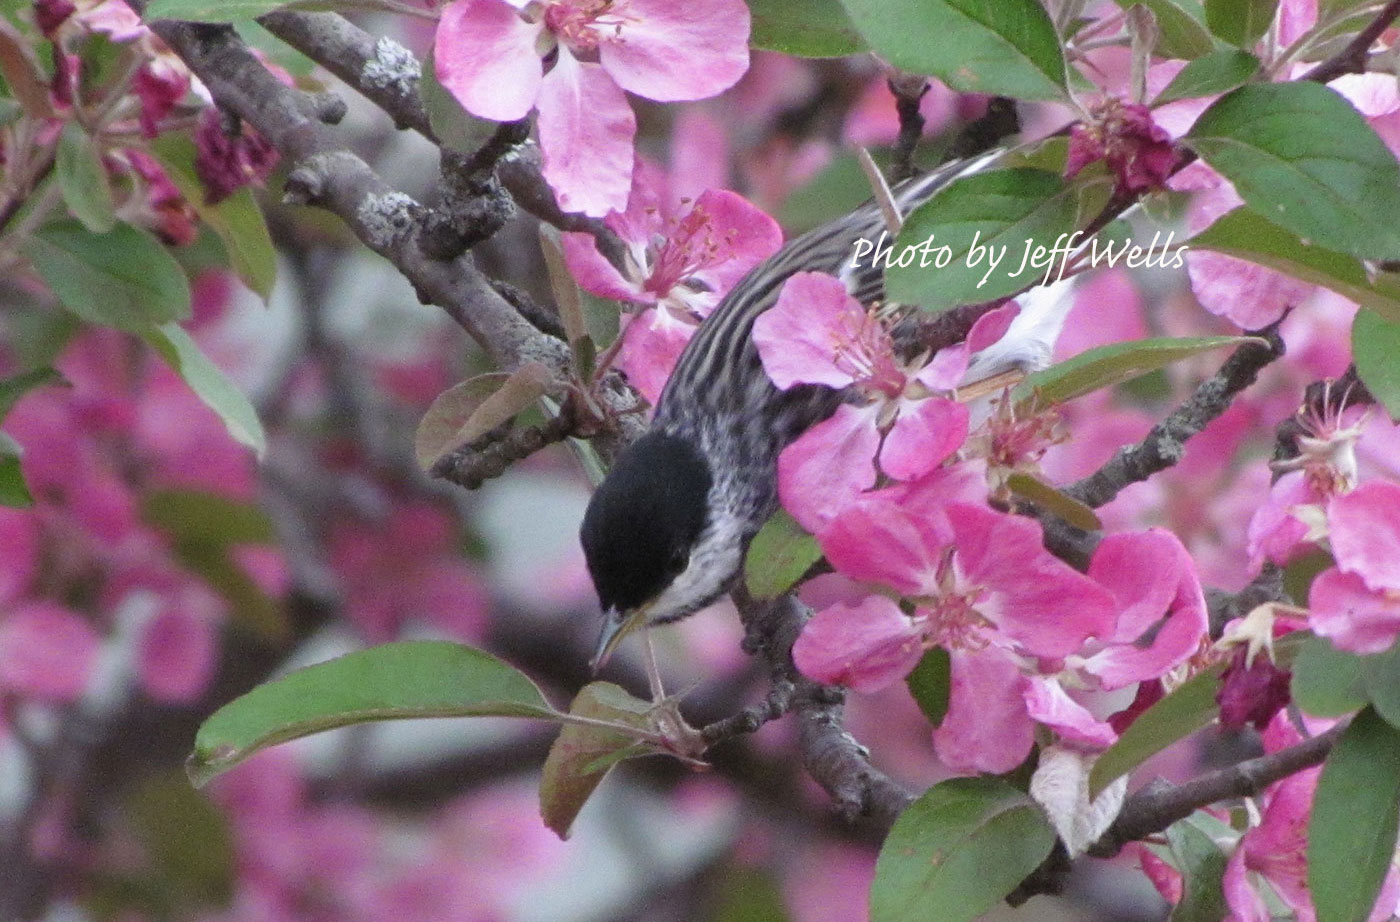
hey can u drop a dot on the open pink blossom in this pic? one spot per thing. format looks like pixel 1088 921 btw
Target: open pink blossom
pixel 1272 854
pixel 679 262
pixel 1357 602
pixel 817 333
pixel 47 651
pixel 491 55
pixel 981 586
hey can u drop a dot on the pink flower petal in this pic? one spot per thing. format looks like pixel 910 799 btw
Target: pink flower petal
pixel 485 55
pixel 1364 527
pixel 923 437
pixel 1047 703
pixel 738 236
pixel 1154 581
pixel 875 541
pixel 797 337
pixel 176 655
pixel 47 651
pixel 1275 533
pixel 586 130
pixel 674 52
pixel 1036 599
pixel 986 728
pixel 19 553
pixel 865 647
pixel 829 466
pixel 654 342
pixel 595 274
pixel 1357 619
pixel 1244 293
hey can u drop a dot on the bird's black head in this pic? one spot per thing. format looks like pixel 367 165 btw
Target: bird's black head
pixel 644 520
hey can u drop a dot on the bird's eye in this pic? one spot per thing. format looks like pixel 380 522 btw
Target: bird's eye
pixel 680 559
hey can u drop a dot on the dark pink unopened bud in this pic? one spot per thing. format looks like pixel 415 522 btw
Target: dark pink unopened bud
pixel 1138 151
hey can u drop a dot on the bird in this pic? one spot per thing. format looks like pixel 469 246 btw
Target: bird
pixel 666 531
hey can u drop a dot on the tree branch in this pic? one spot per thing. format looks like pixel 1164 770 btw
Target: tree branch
pixel 1166 443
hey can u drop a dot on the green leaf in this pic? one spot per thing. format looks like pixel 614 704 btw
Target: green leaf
pixel 1202 866
pixel 1352 833
pixel 449 411
pixel 13 490
pixel 83 180
pixel 465 412
pixel 211 518
pixel 1187 709
pixel 395 681
pixel 1303 157
pixel 1240 22
pixel 778 557
pixel 1181 27
pixel 931 682
pixel 204 528
pixel 975 46
pixel 747 894
pixel 1327 682
pixel 1214 73
pixel 583 755
pixel 1382 679
pixel 453 125
pixel 210 384
pixel 15 387
pixel 1375 347
pixel 1050 499
pixel 1106 366
pixel 123 278
pixel 811 29
pixel 957 851
pixel 969 224
pixel 187 840
pixel 237 220
pixel 210 10
pixel 1246 234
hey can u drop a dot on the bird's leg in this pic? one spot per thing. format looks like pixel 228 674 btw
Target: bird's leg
pixel 658 691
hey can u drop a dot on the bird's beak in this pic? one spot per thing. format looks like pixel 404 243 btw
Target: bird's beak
pixel 616 625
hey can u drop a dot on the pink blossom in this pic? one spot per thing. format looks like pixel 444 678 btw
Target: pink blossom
pixel 1252 693
pixel 19 554
pixel 160 85
pixel 1245 293
pixel 874 119
pixel 1357 602
pixel 46 650
pixel 158 204
pixel 230 154
pixel 678 263
pixel 1277 530
pixel 408 571
pixel 1140 154
pixel 1162 615
pixel 176 654
pixel 817 333
pixel 983 587
pixel 865 647
pixel 1273 852
pixel 491 54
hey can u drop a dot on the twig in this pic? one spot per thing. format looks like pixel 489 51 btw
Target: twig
pixel 908 90
pixel 1157 806
pixel 1165 444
